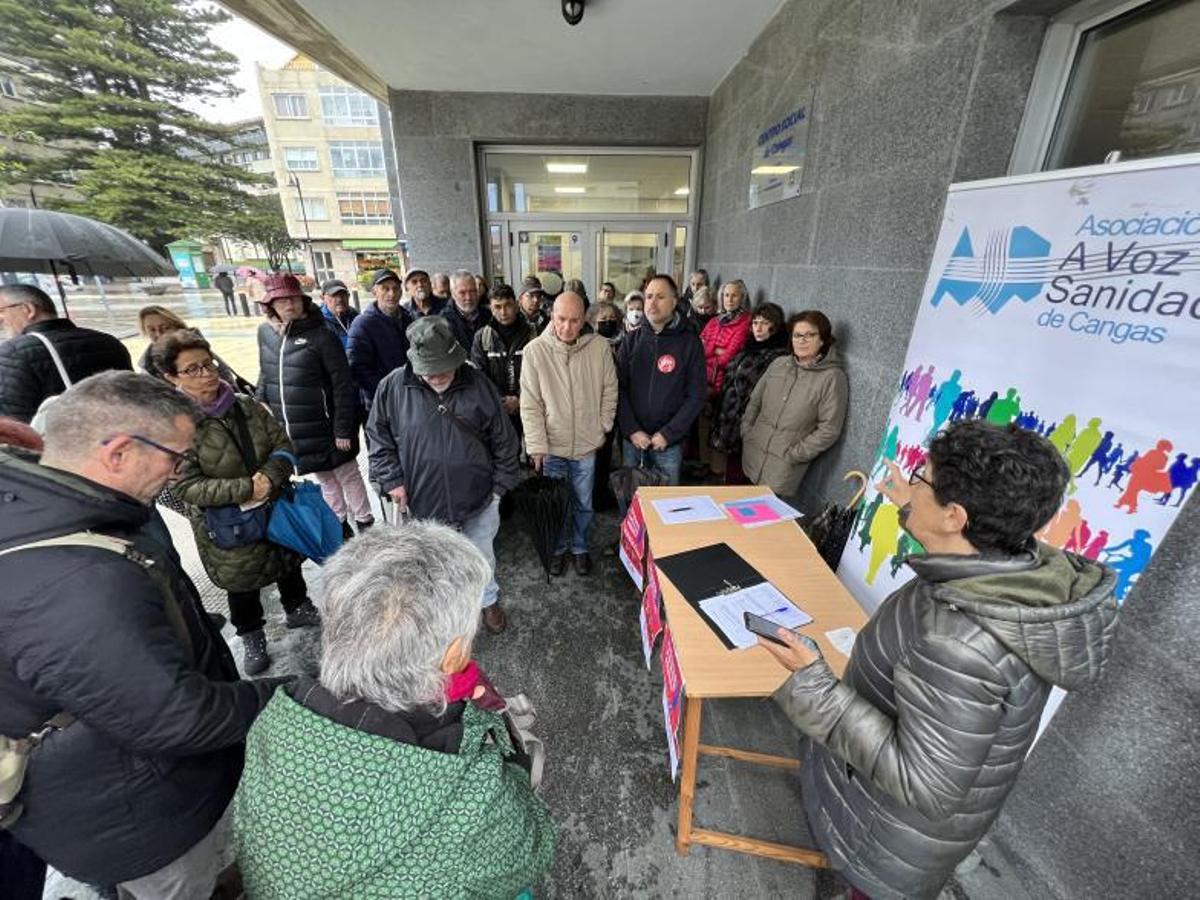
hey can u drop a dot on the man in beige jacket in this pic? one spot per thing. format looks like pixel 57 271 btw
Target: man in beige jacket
pixel 568 401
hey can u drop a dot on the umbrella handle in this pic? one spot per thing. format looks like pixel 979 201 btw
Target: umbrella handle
pixel 862 488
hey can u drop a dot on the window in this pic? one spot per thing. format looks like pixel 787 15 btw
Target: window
pixel 323 260
pixel 344 105
pixel 301 159
pixel 290 106
pixel 314 209
pixel 364 208
pixel 1113 75
pixel 525 182
pixel 7 88
pixel 357 159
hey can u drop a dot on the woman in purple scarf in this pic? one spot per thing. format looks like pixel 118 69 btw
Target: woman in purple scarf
pixel 235 465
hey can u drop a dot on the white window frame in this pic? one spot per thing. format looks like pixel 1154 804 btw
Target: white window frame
pixel 316 160
pixel 1183 91
pixel 1049 87
pixel 344 98
pixel 322 273
pixel 275 97
pixel 362 197
pixel 316 208
pixel 358 171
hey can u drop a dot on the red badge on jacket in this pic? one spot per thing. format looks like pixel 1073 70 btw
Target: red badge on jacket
pixel 666 364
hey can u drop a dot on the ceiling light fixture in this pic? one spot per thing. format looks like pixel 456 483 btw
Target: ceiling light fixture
pixel 773 170
pixel 682 192
pixel 570 190
pixel 564 168
pixel 572 11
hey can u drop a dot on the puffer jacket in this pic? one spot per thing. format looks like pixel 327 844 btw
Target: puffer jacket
pixel 28 374
pixel 795 413
pixel 568 395
pixel 502 361
pixel 723 338
pixel 912 753
pixel 377 346
pixel 451 452
pixel 661 375
pixel 218 477
pixel 304 378
pixel 155 753
pixel 742 374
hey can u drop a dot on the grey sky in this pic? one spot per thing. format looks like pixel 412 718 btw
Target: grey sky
pixel 249 44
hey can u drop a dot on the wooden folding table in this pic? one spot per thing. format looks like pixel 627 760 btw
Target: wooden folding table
pixel 786 557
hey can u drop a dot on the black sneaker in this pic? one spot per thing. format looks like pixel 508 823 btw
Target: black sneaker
pixel 304 616
pixel 583 564
pixel 347 531
pixel 254 652
pixel 363 526
pixel 558 564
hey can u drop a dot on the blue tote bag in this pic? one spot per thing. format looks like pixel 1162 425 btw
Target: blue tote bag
pixel 301 520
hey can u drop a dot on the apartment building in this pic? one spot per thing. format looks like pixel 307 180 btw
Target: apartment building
pixel 332 167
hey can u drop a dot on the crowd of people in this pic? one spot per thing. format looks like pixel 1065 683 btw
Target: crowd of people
pixel 395 771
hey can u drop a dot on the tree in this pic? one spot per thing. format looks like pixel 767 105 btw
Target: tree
pixel 262 224
pixel 109 78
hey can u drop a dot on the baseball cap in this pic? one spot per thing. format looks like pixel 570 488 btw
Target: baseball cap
pixel 384 275
pixel 413 273
pixel 334 286
pixel 531 283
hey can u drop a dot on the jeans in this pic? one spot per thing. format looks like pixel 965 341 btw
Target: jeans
pixel 190 877
pixel 245 607
pixel 581 473
pixel 668 461
pixel 481 530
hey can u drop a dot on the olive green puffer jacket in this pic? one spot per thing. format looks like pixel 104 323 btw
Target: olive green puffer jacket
pixel 219 479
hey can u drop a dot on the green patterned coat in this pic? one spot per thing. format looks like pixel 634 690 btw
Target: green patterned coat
pixel 324 811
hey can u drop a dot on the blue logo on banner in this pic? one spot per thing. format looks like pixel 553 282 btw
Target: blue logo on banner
pixel 1012 265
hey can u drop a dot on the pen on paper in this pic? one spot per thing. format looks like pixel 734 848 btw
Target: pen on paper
pixel 680 509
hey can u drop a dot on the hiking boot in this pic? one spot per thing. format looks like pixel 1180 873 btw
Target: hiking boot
pixel 304 616
pixel 583 564
pixel 254 652
pixel 363 526
pixel 494 619
pixel 347 531
pixel 558 564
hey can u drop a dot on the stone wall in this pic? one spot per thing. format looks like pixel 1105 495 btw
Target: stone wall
pixel 910 96
pixel 436 134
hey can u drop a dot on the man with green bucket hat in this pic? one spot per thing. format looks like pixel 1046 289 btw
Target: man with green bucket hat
pixel 442 447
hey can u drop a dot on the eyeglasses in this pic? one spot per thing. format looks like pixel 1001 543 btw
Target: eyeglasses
pixel 918 474
pixel 806 336
pixel 195 370
pixel 181 459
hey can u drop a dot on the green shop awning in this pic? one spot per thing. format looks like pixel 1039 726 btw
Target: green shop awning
pixel 369 244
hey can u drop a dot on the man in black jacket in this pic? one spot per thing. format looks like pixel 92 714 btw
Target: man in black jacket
pixel 441 447
pixel 135 790
pixel 465 315
pixel 500 347
pixel 661 372
pixel 28 371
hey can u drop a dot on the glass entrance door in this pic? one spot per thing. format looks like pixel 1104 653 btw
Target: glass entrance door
pixel 625 255
pixel 554 255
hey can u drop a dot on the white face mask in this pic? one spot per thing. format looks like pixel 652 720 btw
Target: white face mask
pixel 634 317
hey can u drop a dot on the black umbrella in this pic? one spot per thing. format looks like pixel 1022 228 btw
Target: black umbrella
pixel 41 240
pixel 830 528
pixel 544 505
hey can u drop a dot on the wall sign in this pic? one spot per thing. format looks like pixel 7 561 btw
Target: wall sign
pixel 777 160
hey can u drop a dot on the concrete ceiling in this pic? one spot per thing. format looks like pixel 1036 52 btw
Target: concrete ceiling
pixel 671 47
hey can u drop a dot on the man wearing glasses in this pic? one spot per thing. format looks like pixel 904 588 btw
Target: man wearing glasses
pixel 910 755
pixel 107 654
pixel 41 346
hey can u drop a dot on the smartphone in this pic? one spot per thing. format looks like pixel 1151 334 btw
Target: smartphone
pixel 766 628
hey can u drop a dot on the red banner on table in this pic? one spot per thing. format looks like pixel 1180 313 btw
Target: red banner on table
pixel 633 543
pixel 651 614
pixel 672 697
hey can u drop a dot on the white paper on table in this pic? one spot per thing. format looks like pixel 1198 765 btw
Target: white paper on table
pixel 842 639
pixel 764 599
pixel 682 510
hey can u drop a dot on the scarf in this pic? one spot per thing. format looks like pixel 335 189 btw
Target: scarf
pixel 221 404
